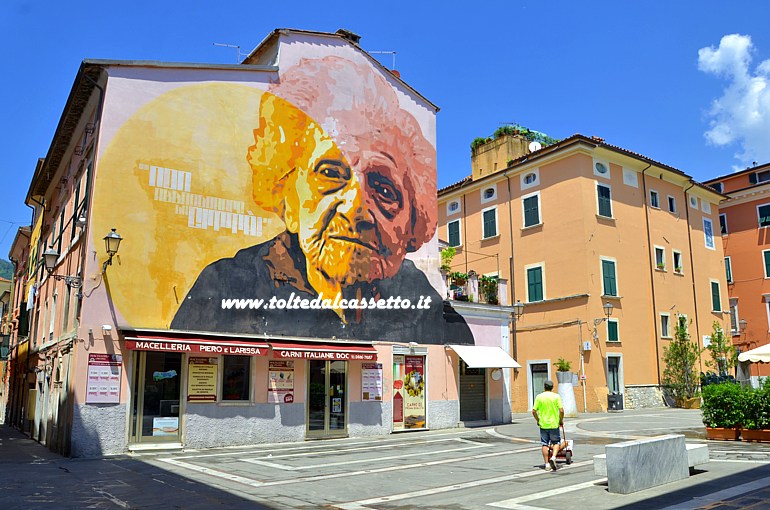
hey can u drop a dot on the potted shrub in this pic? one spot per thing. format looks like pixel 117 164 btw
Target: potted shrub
pixel 723 410
pixel 680 375
pixel 458 278
pixel 661 266
pixel 563 371
pixel 488 289
pixel 756 414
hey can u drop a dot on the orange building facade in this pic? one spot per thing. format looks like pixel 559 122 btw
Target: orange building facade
pixel 744 219
pixel 575 226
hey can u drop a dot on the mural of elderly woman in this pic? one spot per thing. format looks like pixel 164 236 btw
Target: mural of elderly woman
pixel 353 178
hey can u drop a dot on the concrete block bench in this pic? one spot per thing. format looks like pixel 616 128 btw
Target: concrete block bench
pixel 632 466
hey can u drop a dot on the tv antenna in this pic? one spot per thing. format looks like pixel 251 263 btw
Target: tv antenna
pixel 386 53
pixel 237 48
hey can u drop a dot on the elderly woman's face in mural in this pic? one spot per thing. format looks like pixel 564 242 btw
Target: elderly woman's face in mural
pixel 351 212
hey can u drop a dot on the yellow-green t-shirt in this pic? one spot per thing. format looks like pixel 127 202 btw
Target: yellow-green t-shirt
pixel 547 405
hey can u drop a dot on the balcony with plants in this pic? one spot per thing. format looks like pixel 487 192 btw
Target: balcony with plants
pixel 471 287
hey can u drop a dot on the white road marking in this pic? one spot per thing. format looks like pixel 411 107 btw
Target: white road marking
pixel 741 460
pixel 494 433
pixel 700 502
pixel 326 444
pixel 359 505
pixel 516 502
pixel 358 461
pixel 257 483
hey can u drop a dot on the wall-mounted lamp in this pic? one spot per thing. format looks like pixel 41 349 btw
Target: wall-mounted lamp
pixel 50 256
pixel 518 310
pixel 608 308
pixel 742 324
pixel 111 244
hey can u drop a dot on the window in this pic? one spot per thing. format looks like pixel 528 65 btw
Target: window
pixel 604 195
pixel 453 233
pixel 654 199
pixel 531 205
pixel 630 178
pixel 716 301
pixel 236 377
pixel 763 211
pixel 488 194
pixel 677 262
pixel 602 169
pixel 723 224
pixel 705 206
pixel 530 179
pixel 760 176
pixel 717 186
pixel 535 284
pixel 728 270
pixel 665 331
pixel 671 204
pixel 612 330
pixel 693 202
pixel 609 280
pixel 734 324
pixel 708 233
pixel 453 207
pixel 660 258
pixel 489 220
pixel 766 256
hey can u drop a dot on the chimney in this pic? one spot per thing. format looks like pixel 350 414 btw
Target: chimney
pixel 350 36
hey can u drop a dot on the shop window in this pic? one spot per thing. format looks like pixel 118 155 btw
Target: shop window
pixel 236 377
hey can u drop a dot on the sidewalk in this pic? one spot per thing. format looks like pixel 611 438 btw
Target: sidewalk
pixel 35 478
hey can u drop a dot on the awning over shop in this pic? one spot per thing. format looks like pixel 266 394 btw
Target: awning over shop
pixel 482 356
pixel 759 355
pixel 196 346
pixel 320 351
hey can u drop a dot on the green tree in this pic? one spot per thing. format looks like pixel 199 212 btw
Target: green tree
pixel 724 355
pixel 6 269
pixel 447 254
pixel 681 357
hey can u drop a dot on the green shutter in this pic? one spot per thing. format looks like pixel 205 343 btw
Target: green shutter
pixel 490 226
pixel 612 331
pixel 767 263
pixel 729 269
pixel 531 213
pixel 608 273
pixel 716 302
pixel 605 205
pixel 535 283
pixel 454 233
pixel 764 215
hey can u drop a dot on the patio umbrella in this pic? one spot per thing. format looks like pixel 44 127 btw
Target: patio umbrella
pixel 759 355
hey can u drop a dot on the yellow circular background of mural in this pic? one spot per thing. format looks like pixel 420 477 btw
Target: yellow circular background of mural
pixel 195 137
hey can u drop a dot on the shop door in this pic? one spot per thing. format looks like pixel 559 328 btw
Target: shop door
pixel 155 397
pixel 327 398
pixel 473 393
pixel 538 376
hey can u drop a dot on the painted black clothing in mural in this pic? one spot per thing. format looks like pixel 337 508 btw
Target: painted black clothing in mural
pixel 277 268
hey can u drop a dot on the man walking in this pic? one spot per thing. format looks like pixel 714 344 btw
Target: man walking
pixel 549 415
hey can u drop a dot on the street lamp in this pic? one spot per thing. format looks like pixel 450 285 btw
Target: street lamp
pixel 50 256
pixel 111 244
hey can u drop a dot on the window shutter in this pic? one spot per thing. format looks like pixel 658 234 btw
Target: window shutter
pixel 715 301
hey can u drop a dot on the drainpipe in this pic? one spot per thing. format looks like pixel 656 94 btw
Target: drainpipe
pixel 511 271
pixel 652 273
pixel 465 234
pixel 692 273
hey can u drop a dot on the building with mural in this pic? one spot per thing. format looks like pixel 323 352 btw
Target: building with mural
pixel 236 254
pixel 604 248
pixel 743 221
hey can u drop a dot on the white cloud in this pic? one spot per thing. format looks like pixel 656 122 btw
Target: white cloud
pixel 742 114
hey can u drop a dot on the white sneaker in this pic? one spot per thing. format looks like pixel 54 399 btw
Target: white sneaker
pixel 548 467
pixel 552 464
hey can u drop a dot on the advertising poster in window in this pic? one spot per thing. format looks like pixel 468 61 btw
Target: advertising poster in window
pixel 202 379
pixel 398 392
pixel 414 388
pixel 280 389
pixel 371 381
pixel 103 386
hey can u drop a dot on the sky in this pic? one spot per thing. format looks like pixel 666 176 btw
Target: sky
pixel 686 83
